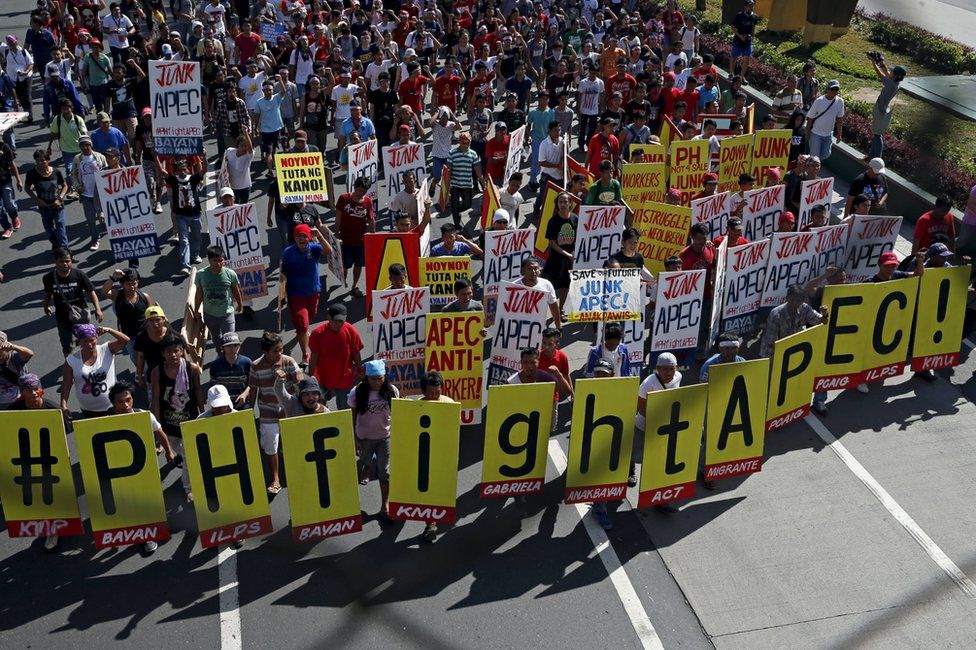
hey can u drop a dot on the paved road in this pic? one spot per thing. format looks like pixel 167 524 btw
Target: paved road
pixel 806 553
pixel 952 18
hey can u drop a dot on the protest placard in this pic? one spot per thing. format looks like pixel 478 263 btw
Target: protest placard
pixel 118 465
pixel 887 351
pixel 364 162
pixel 678 310
pixel 663 232
pixel 504 252
pixel 870 236
pixel 9 120
pixel 794 365
pixel 382 249
pixel 519 322
pixel 762 210
pixel 851 309
pixel 718 292
pixel 551 190
pixel 439 274
pixel 601 439
pixel 397 161
pixel 599 232
pixel 47 505
pixel 320 453
pixel 675 419
pixel 942 312
pixel 831 248
pixel 334 261
pixel 642 182
pixel 239 232
pixel 713 211
pixel 177 108
pixel 516 143
pixel 574 167
pixel 301 177
pixel 489 203
pixel 735 422
pixel 689 163
pixel 424 460
pixel 604 295
pixel 269 32
pixel 734 159
pixel 454 349
pixel 127 205
pixel 400 335
pixel 770 148
pixel 745 271
pixel 790 256
pixel 231 508
pixel 814 192
pixel 648 153
pixel 669 133
pixel 516 438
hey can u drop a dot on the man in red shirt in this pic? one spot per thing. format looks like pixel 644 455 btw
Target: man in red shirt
pixel 496 152
pixel 247 42
pixel 699 254
pixel 354 217
pixel 481 84
pixel 622 83
pixel 691 97
pixel 336 356
pixel 413 88
pixel 446 86
pixel 709 186
pixel 936 221
pixel 733 232
pixel 603 146
pixel 669 93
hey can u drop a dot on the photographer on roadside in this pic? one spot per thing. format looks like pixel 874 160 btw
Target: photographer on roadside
pixel 890 79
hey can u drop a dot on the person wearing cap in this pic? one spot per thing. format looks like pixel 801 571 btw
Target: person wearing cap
pixel 774 176
pixel 306 400
pixel 603 146
pixel 84 169
pixel 612 350
pixel 786 222
pixel 231 369
pixel 261 382
pixel 303 284
pixel 95 68
pixel 148 345
pixel 937 221
pixel 371 402
pixel 184 191
pixel 91 370
pixel 106 136
pixel 218 293
pixel 873 183
pixel 733 234
pixel 431 390
pixel 888 267
pixel 939 255
pixel 825 120
pixel 336 355
pixel 20 66
pixel 881 111
pixel 13 365
pixel 56 89
pixel 709 186
pixel 664 377
pixel 602 369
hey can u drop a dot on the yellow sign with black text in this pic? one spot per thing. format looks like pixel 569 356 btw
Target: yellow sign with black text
pixel 320 458
pixel 301 177
pixel 848 334
pixel 735 426
pixel 227 477
pixel 601 439
pixel 890 329
pixel 794 365
pixel 424 460
pixel 117 455
pixel 439 275
pixel 941 313
pixel 672 444
pixel 516 439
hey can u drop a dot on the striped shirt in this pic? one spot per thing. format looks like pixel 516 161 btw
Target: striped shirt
pixel 262 381
pixel 462 164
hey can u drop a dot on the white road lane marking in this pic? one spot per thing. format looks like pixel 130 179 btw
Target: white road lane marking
pixel 928 545
pixel 230 614
pixel 601 543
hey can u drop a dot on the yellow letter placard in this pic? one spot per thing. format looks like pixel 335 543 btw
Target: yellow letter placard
pixel 848 334
pixel 117 455
pixel 794 365
pixel 601 439
pixel 734 159
pixel 424 460
pixel 516 439
pixel 320 457
pixel 941 312
pixel 642 182
pixel 224 461
pixel 648 153
pixel 735 427
pixel 672 444
pixel 36 484
pixel 301 177
pixel 690 160
pixel 770 148
pixel 891 329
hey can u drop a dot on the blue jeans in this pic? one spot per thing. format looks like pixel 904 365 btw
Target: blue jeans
pixel 189 238
pixel 68 158
pixel 90 206
pixel 8 207
pixel 877 145
pixel 534 166
pixel 820 145
pixel 53 220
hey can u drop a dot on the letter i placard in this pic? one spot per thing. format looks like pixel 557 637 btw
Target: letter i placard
pixel 516 439
pixel 36 483
pixel 117 455
pixel 227 477
pixel 323 479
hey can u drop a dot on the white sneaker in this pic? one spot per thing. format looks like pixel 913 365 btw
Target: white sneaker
pixel 150 547
pixel 185 271
pixel 863 388
pixel 197 259
pixel 51 542
pixel 158 208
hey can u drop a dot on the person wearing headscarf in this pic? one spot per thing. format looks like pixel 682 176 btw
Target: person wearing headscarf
pixel 13 366
pixel 91 369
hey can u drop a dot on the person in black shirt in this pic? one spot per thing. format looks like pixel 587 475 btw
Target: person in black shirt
pixel 561 234
pixel 184 191
pixel 383 102
pixel 121 89
pixel 295 214
pixel 129 303
pixel 69 290
pixel 743 26
pixel 47 187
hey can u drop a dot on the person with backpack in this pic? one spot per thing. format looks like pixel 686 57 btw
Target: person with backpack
pixel 67 128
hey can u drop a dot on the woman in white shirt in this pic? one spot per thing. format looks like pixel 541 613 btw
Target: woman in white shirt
pixel 236 169
pixel 91 370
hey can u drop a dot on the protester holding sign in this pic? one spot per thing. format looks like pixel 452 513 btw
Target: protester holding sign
pixel 184 191
pixel 561 234
pixel 370 402
pixel 664 376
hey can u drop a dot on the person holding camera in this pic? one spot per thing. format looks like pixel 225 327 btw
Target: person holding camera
pixel 890 79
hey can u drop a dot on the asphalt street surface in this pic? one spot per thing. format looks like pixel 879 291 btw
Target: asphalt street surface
pixel 858 531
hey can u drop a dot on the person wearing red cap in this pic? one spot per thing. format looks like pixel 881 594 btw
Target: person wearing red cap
pixel 786 223
pixel 673 197
pixel 774 176
pixel 303 283
pixel 709 186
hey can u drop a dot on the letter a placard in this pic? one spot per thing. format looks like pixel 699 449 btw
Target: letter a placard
pixel 424 460
pixel 516 439
pixel 36 484
pixel 735 426
pixel 601 439
pixel 320 458
pixel 224 461
pixel 117 455
pixel 672 443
